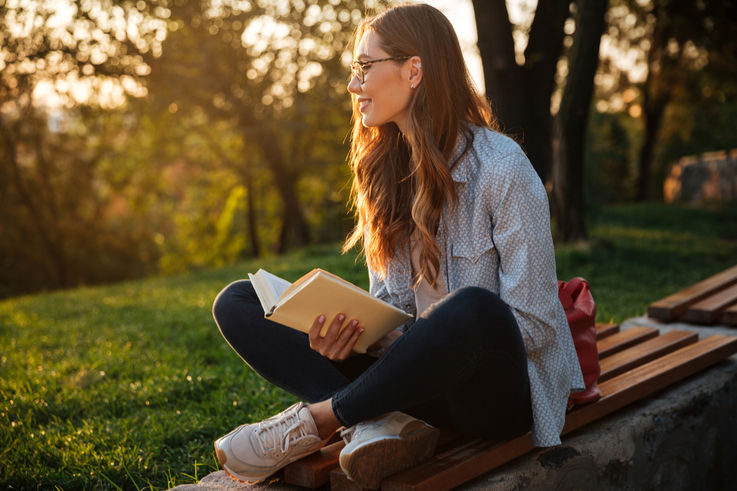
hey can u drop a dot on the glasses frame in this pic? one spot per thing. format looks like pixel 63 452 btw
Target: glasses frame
pixel 358 66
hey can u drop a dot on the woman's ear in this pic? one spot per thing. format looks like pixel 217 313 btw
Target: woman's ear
pixel 415 71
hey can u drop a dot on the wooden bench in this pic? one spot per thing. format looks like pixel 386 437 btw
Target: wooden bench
pixel 635 363
pixel 713 300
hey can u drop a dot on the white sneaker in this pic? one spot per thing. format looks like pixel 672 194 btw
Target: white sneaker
pixel 383 446
pixel 253 452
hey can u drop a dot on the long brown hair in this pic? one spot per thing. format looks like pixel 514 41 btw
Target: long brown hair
pixel 402 181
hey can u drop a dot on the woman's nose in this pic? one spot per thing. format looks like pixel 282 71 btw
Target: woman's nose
pixel 354 85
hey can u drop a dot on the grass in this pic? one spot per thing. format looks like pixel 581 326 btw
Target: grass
pixel 126 386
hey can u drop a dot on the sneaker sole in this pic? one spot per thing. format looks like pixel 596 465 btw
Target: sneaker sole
pixel 222 459
pixel 369 463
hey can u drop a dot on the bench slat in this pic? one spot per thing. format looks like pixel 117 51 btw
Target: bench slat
pixel 708 310
pixel 624 339
pixel 729 316
pixel 452 468
pixel 313 471
pixel 604 330
pixel 653 376
pixel 644 352
pixel 672 306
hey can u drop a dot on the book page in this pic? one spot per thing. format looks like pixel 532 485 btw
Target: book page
pixel 269 288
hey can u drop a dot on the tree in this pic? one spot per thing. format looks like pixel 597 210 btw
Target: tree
pixel 521 94
pixel 570 124
pixel 683 57
pixel 686 38
pixel 49 160
pixel 273 70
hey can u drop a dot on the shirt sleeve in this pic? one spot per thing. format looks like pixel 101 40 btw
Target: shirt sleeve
pixel 520 218
pixel 377 287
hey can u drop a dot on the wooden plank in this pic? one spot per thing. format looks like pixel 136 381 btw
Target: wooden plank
pixel 729 316
pixel 644 352
pixel 340 482
pixel 624 339
pixel 458 465
pixel 709 310
pixel 651 377
pixel 672 306
pixel 313 471
pixel 603 330
pixel 449 440
pixel 445 471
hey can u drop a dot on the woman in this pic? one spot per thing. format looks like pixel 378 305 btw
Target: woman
pixel 455 228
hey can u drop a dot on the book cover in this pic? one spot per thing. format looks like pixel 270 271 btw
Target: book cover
pixel 322 293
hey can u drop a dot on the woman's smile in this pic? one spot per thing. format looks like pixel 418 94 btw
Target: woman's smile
pixel 363 103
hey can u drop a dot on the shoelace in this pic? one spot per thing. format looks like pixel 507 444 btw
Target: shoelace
pixel 347 433
pixel 355 431
pixel 271 436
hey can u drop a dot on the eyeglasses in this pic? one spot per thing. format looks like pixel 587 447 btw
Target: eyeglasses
pixel 359 68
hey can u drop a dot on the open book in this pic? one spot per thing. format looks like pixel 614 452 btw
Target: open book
pixel 298 304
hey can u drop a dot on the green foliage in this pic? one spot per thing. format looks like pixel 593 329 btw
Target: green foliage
pixel 127 385
pixel 609 171
pixel 640 253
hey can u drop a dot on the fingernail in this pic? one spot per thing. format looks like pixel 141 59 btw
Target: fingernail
pixel 341 317
pixel 354 323
pixel 361 330
pixel 321 319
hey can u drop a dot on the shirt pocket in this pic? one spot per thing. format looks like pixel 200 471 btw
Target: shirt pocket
pixel 473 250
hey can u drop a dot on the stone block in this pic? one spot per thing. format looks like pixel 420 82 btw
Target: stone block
pixel 709 177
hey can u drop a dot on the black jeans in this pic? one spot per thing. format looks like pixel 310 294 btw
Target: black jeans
pixel 461 363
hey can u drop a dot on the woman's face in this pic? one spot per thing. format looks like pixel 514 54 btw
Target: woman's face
pixel 384 96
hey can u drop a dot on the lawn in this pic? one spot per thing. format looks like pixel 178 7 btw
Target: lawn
pixel 126 386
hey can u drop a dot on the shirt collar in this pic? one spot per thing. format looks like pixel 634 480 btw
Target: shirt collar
pixel 461 169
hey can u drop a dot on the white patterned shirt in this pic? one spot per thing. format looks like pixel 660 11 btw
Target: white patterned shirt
pixel 497 236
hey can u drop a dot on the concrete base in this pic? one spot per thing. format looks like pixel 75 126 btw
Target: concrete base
pixel 682 438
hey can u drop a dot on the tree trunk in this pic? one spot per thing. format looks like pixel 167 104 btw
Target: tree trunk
pixel 653 116
pixel 251 225
pixel 570 124
pixel 662 76
pixel 544 48
pixel 520 95
pixel 504 78
pixel 294 225
pixel 52 248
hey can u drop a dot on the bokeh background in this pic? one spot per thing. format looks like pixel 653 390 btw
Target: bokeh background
pixel 152 152
pixel 154 137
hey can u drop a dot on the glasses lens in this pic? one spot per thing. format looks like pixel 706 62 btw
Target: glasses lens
pixel 357 71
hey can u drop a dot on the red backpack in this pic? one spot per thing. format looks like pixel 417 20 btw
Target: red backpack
pixel 580 309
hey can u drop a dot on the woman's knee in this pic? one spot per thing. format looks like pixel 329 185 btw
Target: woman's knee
pixel 475 300
pixel 227 302
pixel 479 307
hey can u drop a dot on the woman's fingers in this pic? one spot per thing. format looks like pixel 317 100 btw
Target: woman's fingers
pixel 351 339
pixel 334 330
pixel 338 345
pixel 314 334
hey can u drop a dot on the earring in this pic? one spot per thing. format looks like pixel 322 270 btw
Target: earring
pixel 411 86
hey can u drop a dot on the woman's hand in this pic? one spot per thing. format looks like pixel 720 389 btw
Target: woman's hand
pixel 336 345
